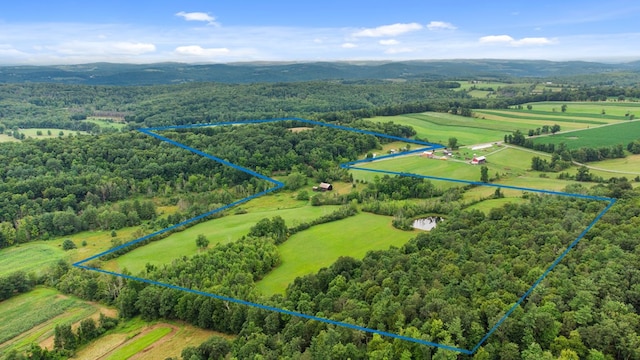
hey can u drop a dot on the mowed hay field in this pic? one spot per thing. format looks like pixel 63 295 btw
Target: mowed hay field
pixel 30 258
pixel 218 231
pixel 320 246
pixel 439 127
pixel 38 256
pixel 629 164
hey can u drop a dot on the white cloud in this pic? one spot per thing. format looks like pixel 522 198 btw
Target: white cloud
pixel 197 16
pixel 388 42
pixel 496 39
pixel 388 30
pixel 534 41
pixel 399 50
pixel 8 50
pixel 197 50
pixel 133 48
pixel 508 40
pixel 349 45
pixel 440 25
pixel 104 48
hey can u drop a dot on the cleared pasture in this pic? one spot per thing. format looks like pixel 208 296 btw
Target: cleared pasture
pixel 106 123
pixel 629 164
pixel 6 138
pixel 218 231
pixel 486 205
pixel 37 256
pixel 30 258
pixel 438 128
pixel 320 246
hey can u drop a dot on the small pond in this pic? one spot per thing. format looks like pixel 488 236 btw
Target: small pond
pixel 427 223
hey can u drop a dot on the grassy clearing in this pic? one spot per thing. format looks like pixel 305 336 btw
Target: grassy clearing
pixel 30 258
pixel 30 317
pixel 6 138
pixel 629 164
pixel 485 85
pixel 622 133
pixel 37 256
pixel 106 123
pixel 486 205
pixel 416 164
pixel 320 246
pixel 218 231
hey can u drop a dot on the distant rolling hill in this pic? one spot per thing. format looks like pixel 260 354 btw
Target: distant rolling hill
pixel 172 73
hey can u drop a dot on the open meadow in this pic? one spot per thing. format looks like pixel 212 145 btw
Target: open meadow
pixel 321 245
pixel 438 127
pixel 218 231
pixel 38 256
pixel 629 165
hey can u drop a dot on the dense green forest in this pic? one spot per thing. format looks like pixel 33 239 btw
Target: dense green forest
pixel 448 286
pixel 69 106
pixel 577 72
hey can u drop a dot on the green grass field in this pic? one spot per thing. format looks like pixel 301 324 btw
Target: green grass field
pixel 31 257
pixel 504 161
pixel 486 205
pixel 106 123
pixel 218 231
pixel 618 109
pixel 33 133
pixel 439 127
pixel 38 256
pixel 622 133
pixel 416 164
pixel 320 246
pixel 6 138
pixel 466 85
pixel 30 317
pixel 630 164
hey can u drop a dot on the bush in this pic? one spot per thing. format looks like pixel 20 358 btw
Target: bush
pixel 68 245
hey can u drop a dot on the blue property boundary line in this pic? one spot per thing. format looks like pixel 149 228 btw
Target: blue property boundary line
pixel 353 165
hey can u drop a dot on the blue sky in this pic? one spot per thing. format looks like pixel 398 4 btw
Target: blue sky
pixel 204 31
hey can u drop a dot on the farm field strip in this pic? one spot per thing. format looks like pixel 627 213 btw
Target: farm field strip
pixel 20 320
pixel 622 133
pixel 543 118
pixel 438 133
